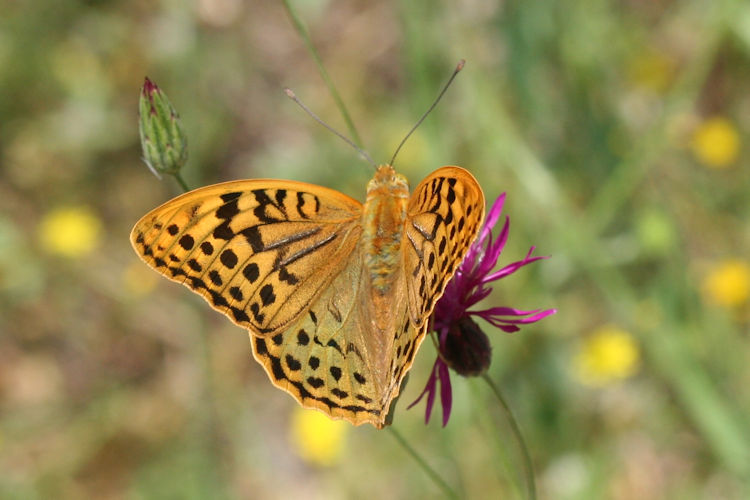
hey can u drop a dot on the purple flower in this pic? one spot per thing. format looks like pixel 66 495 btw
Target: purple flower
pixel 462 345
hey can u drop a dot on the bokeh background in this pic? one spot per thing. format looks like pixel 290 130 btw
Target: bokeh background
pixel 618 129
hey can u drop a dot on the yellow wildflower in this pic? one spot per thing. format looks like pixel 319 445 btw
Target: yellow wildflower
pixel 316 438
pixel 71 231
pixel 607 355
pixel 728 283
pixel 716 143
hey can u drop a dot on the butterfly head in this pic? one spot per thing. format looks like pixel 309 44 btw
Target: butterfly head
pixel 387 181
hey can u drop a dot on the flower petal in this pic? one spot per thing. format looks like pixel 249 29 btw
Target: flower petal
pixel 446 394
pixel 492 216
pixel 513 267
pixel 429 389
pixel 493 317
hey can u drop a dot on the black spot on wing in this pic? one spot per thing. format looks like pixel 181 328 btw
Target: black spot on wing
pixel 187 242
pixel 228 210
pixel 292 363
pixel 223 231
pixel 240 315
pixel 302 337
pixel 315 382
pixel 228 258
pixel 266 295
pixel 215 277
pixel 207 248
pixel 218 299
pixel 339 393
pixel 251 272
pixel 252 235
pixel 335 345
pixel 288 277
pixel 236 293
pixel 227 197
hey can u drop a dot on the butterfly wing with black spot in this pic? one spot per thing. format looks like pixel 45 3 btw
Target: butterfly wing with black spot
pixel 444 217
pixel 260 251
pixel 327 360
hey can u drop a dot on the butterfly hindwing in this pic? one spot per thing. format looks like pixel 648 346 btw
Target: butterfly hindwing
pixel 327 360
pixel 318 360
pixel 259 251
pixel 444 216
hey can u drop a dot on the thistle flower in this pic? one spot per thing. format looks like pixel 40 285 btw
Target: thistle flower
pixel 163 140
pixel 462 345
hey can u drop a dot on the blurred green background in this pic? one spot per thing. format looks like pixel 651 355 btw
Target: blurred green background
pixel 618 129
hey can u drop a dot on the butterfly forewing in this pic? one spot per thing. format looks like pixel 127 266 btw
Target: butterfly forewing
pixel 444 216
pixel 259 251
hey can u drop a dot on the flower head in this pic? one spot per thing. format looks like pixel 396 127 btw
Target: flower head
pixel 716 143
pixel 462 345
pixel 316 438
pixel 609 354
pixel 70 232
pixel 728 283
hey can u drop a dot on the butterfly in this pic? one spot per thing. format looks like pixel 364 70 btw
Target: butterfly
pixel 336 294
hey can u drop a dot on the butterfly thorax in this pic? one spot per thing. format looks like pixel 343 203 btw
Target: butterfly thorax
pixel 382 223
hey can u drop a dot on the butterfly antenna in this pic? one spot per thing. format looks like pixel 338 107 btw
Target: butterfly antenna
pixel 315 117
pixel 459 67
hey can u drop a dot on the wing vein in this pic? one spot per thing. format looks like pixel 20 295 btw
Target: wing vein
pixel 306 251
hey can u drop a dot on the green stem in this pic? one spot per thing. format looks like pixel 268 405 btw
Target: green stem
pixel 323 73
pixel 527 463
pixel 422 463
pixel 181 182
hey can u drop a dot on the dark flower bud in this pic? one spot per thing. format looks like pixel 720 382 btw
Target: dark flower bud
pixel 467 348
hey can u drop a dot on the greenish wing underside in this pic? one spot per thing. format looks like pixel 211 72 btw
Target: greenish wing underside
pixel 325 359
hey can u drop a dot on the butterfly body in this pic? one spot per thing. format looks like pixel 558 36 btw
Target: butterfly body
pixel 336 294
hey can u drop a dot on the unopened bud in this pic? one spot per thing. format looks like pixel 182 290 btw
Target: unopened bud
pixel 163 140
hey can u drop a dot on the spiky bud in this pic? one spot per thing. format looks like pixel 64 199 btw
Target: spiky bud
pixel 163 140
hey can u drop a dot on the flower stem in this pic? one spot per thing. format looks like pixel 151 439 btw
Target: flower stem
pixel 422 463
pixel 323 73
pixel 181 182
pixel 527 464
